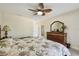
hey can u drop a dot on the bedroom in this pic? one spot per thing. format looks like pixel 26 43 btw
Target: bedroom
pixel 23 23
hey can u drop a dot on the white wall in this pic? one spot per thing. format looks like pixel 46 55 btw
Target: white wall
pixel 20 26
pixel 71 20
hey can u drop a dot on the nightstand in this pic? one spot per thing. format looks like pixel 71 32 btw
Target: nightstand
pixel 68 45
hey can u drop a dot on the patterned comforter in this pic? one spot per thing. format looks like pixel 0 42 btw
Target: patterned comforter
pixel 32 47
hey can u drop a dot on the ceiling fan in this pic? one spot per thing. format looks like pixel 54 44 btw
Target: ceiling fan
pixel 41 10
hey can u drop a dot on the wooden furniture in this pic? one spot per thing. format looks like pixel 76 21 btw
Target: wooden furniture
pixel 57 32
pixel 57 36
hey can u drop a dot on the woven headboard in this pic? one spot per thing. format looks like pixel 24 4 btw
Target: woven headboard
pixel 0 31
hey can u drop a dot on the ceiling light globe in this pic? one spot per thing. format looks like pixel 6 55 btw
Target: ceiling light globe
pixel 39 13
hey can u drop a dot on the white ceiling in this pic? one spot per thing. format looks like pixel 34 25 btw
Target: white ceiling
pixel 22 8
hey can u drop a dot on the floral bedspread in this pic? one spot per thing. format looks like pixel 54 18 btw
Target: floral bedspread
pixel 32 47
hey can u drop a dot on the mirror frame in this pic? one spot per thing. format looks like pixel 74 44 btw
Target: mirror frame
pixel 56 22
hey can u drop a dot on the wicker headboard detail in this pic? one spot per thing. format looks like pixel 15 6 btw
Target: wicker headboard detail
pixel 0 31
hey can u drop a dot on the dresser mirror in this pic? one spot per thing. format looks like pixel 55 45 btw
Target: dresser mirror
pixel 57 26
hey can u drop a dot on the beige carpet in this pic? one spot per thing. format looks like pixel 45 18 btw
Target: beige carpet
pixel 74 52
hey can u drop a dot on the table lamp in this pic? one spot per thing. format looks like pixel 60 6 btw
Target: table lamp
pixel 6 29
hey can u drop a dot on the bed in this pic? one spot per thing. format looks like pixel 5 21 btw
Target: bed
pixel 31 46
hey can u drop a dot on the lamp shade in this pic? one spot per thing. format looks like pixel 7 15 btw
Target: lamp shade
pixel 6 28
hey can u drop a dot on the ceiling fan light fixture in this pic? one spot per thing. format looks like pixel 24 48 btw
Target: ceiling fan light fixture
pixel 39 13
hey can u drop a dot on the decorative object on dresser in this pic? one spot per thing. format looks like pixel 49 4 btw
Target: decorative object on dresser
pixel 6 29
pixel 57 33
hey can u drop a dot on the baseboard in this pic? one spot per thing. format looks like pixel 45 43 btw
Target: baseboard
pixel 76 48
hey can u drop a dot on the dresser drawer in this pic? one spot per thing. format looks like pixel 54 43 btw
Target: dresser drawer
pixel 57 37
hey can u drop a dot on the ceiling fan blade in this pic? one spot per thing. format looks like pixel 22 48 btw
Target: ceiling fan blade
pixel 35 14
pixel 47 10
pixel 41 5
pixel 32 10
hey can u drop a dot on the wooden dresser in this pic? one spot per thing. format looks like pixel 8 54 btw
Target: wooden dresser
pixel 57 36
